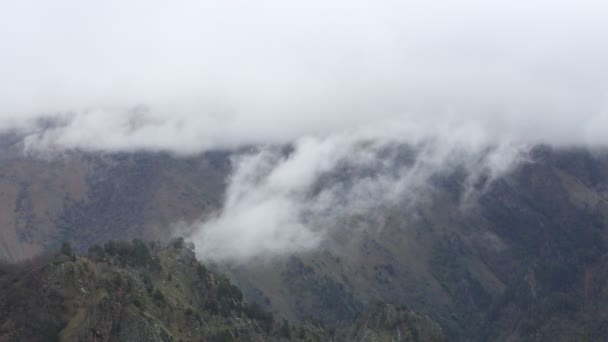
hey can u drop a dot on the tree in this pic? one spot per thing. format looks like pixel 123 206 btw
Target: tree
pixel 66 248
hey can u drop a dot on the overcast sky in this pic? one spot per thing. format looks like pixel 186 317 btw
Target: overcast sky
pixel 223 73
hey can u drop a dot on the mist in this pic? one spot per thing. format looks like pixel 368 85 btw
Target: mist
pixel 468 84
pixel 282 202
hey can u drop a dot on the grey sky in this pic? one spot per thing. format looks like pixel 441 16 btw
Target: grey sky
pixel 223 73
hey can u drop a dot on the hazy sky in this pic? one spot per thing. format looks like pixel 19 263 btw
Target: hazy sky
pixel 222 73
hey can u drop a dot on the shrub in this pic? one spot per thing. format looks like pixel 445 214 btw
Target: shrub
pixel 96 253
pixel 256 312
pixel 285 330
pixel 66 248
pixel 158 296
pixel 134 253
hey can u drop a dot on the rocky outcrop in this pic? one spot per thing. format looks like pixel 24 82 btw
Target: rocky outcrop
pixel 136 291
pixel 386 322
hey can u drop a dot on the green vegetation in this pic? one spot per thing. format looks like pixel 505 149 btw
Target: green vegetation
pixel 121 294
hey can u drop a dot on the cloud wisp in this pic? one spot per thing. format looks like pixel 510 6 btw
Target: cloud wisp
pixel 281 202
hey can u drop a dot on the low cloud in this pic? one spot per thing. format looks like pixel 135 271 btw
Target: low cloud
pixel 282 202
pixel 199 75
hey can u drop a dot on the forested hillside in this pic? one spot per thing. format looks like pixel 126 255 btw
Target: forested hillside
pixel 524 260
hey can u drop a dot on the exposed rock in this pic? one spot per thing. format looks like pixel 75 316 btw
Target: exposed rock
pixel 132 291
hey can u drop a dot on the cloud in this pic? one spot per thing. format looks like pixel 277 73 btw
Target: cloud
pixel 227 73
pixel 282 201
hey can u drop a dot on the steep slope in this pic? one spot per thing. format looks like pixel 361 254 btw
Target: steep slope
pixel 519 264
pixel 526 259
pixel 133 291
pixel 92 198
pixel 32 194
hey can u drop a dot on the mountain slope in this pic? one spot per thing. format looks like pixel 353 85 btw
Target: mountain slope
pixel 523 259
pixel 93 198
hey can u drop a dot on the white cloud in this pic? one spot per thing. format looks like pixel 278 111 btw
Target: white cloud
pixel 226 73
pixel 279 203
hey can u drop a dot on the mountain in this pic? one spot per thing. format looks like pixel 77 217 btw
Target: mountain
pixel 525 260
pixel 133 291
pixel 93 198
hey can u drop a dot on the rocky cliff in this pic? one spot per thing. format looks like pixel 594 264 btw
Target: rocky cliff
pixel 136 291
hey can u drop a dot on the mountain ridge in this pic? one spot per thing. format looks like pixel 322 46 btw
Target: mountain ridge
pixel 137 291
pixel 528 255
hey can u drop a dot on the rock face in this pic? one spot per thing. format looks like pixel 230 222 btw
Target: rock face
pixel 387 322
pixel 135 291
pixel 526 262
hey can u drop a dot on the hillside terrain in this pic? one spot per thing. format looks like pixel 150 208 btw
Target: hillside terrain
pixel 93 198
pixel 525 263
pixel 528 260
pixel 133 291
